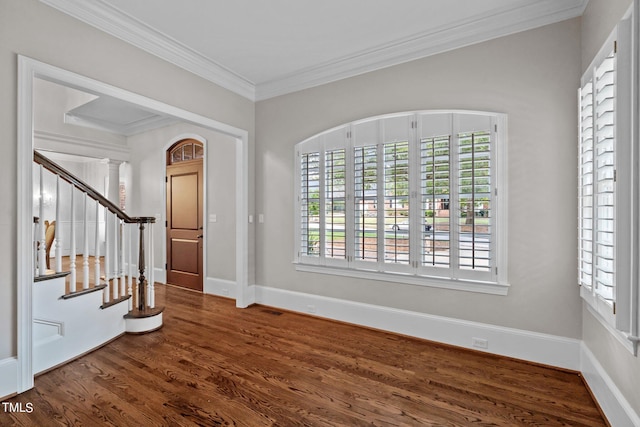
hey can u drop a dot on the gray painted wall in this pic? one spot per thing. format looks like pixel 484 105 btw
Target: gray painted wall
pixel 532 77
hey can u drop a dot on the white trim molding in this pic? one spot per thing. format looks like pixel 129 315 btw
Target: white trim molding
pixel 220 287
pixel 520 344
pixel 8 377
pixel 611 400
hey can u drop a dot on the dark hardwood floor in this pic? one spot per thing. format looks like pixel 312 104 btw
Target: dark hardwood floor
pixel 215 365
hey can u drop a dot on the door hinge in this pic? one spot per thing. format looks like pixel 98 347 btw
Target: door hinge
pixel 615 46
pixel 166 179
pixel 615 175
pixel 495 128
pixel 166 266
pixel 166 223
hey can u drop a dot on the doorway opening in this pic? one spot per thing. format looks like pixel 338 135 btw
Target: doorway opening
pixel 29 70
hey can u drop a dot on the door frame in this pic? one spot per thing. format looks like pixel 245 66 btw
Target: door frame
pixel 28 69
pixel 205 167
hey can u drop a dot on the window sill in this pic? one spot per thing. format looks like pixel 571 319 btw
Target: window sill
pixel 409 279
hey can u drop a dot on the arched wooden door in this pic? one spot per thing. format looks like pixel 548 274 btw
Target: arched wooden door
pixel 185 234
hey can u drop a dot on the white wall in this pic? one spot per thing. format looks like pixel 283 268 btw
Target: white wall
pixel 532 77
pixel 147 196
pixel 599 19
pixel 29 28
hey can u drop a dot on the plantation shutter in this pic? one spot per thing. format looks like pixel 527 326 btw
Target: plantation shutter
pixel 435 139
pixel 604 175
pixel 585 188
pixel 309 202
pixel 598 154
pixel 395 192
pixel 367 220
pixel 474 212
pixel 334 186
pixel 403 197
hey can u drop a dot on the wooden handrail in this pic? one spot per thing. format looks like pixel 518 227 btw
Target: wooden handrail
pixel 85 188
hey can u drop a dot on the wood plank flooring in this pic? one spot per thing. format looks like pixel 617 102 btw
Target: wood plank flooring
pixel 215 365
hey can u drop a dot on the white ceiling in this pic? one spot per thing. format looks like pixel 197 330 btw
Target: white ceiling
pixel 116 116
pixel 264 48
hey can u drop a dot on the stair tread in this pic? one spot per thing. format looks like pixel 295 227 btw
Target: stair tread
pixel 50 275
pixel 115 301
pixel 147 312
pixel 83 292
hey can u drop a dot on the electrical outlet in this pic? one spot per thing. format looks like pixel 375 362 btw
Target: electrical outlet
pixel 480 343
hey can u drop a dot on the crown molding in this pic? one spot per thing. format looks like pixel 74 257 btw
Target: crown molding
pixel 493 24
pixel 497 23
pixel 118 24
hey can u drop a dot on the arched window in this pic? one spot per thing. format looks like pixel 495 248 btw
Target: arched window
pixel 185 150
pixel 410 197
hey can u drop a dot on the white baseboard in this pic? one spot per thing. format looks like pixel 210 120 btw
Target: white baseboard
pixel 520 344
pixel 220 287
pixel 160 275
pixel 614 405
pixel 8 377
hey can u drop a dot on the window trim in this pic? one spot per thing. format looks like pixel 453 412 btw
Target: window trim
pixel 498 280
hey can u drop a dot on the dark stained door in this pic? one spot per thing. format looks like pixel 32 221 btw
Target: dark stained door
pixel 184 224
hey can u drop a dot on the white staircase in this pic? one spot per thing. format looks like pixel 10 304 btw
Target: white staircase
pixel 69 318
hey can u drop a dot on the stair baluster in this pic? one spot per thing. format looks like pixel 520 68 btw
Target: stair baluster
pixel 42 253
pixel 85 244
pixel 36 228
pixel 123 290
pixel 72 241
pixel 129 265
pixel 58 236
pixel 151 272
pixel 96 248
pixel 114 251
pixel 107 256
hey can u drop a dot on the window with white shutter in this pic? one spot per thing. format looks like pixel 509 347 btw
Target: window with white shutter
pixel 607 164
pixel 597 182
pixel 410 197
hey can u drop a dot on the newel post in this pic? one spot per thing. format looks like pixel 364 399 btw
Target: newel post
pixel 141 268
